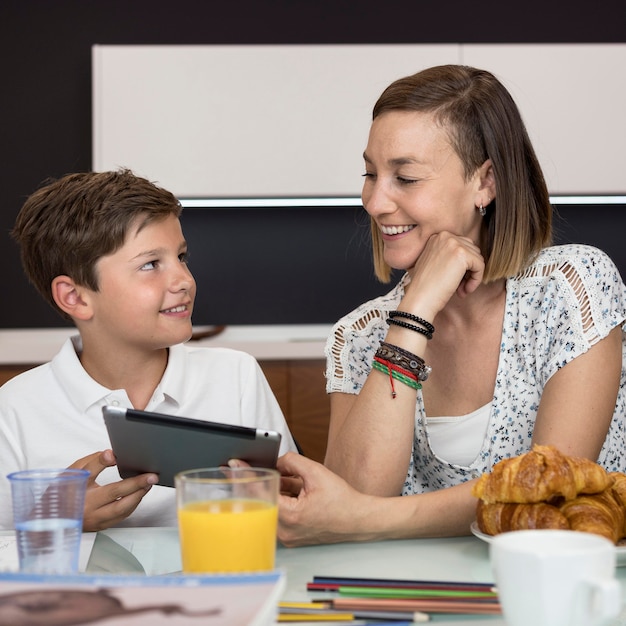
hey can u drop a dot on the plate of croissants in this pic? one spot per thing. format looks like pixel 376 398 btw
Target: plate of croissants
pixel 544 488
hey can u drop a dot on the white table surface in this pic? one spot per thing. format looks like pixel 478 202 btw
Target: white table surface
pixel 155 551
pixel 457 559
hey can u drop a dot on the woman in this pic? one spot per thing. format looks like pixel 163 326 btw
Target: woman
pixel 491 341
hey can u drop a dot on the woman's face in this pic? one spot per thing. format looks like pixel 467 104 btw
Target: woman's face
pixel 415 185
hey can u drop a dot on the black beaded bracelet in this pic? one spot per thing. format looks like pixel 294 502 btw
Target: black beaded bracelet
pixel 414 318
pixel 417 329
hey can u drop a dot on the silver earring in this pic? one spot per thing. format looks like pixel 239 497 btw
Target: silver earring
pixel 482 210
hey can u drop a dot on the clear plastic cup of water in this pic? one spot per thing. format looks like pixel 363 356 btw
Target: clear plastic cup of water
pixel 48 517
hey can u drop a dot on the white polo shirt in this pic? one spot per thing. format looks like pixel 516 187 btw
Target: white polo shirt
pixel 51 416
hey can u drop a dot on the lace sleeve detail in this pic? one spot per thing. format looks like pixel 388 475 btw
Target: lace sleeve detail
pixel 353 341
pixel 583 298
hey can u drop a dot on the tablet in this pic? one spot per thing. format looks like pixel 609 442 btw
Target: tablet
pixel 143 441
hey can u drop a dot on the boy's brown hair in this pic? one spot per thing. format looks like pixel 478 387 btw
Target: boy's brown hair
pixel 65 226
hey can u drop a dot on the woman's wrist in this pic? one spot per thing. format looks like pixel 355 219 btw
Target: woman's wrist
pixel 420 305
pixel 411 322
pixel 407 339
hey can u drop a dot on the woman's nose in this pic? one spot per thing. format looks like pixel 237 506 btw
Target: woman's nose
pixel 376 200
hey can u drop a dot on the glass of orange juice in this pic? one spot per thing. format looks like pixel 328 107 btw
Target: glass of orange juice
pixel 227 519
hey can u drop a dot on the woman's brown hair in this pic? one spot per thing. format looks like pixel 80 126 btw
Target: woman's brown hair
pixel 483 122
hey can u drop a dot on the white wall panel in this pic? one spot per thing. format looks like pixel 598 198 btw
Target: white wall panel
pixel 292 120
pixel 245 120
pixel 573 100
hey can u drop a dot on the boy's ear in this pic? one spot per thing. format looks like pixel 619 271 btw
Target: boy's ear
pixel 71 298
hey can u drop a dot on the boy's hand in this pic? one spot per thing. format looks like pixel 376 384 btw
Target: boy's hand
pixel 107 505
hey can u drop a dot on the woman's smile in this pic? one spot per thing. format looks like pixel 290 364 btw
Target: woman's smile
pixel 396 230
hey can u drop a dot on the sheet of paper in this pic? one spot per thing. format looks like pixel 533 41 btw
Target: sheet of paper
pixel 128 600
pixel 8 551
pixel 151 551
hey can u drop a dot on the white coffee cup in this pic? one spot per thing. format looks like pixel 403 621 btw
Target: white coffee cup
pixel 555 578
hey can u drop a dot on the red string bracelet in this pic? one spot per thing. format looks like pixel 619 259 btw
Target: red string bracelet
pixel 396 372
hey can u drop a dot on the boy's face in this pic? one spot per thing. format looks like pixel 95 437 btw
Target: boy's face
pixel 146 291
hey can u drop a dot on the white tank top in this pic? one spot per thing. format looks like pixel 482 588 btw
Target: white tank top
pixel 458 440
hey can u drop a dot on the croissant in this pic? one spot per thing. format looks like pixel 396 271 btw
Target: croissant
pixel 619 491
pixel 601 514
pixel 619 486
pixel 500 517
pixel 540 475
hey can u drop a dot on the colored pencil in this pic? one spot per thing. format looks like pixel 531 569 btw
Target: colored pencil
pixel 331 583
pixel 388 617
pixel 320 608
pixel 394 592
pixel 425 605
pixel 316 617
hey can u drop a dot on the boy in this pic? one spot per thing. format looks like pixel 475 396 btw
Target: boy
pixel 107 251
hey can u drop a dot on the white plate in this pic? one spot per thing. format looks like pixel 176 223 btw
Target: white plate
pixel 620 550
pixel 478 533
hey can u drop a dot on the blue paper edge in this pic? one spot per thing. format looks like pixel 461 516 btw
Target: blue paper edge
pixel 126 580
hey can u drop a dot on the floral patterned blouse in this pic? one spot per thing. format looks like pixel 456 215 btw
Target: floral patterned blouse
pixel 568 299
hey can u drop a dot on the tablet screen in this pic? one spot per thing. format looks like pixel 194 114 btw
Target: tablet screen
pixel 143 441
